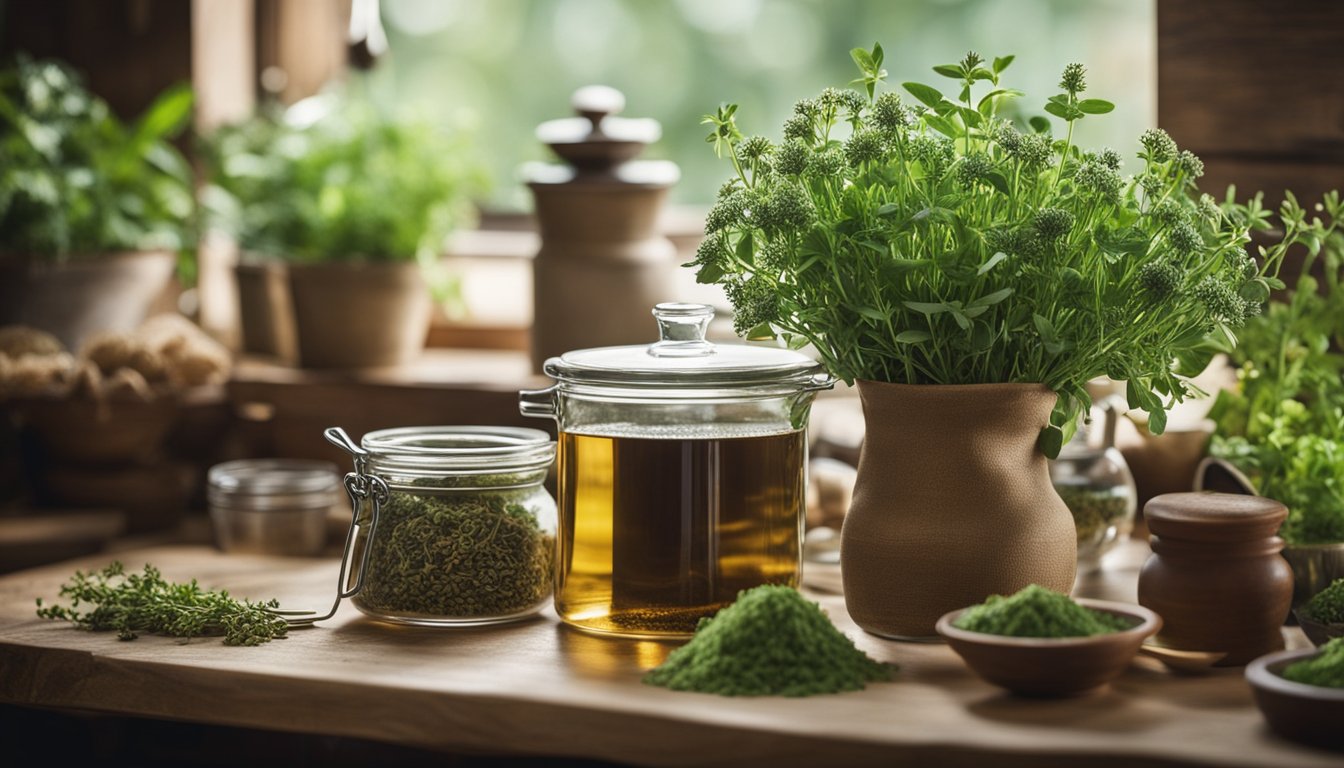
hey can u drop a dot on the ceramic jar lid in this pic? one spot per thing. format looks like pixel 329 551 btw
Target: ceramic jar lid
pixel 599 149
pixel 1214 517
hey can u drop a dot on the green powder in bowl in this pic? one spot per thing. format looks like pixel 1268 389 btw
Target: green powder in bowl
pixel 1327 606
pixel 1325 669
pixel 770 642
pixel 1036 611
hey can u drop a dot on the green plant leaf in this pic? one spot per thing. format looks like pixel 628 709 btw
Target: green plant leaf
pixel 863 59
pixel 950 70
pixel 912 337
pixel 944 126
pixel 991 299
pixel 927 308
pixel 1051 441
pixel 926 94
pixel 1039 124
pixel 1095 106
pixel 999 182
pixel 167 116
pixel 1157 421
pixel 709 274
pixel 992 262
pixel 873 314
pixel 1001 62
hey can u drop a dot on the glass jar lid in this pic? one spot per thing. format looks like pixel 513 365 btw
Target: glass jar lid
pixel 437 451
pixel 682 358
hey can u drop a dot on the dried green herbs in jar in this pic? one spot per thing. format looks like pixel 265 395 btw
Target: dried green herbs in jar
pixel 461 554
pixel 466 534
pixel 1095 511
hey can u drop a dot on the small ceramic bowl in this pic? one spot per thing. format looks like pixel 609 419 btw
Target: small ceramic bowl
pixel 1310 714
pixel 1318 633
pixel 1049 667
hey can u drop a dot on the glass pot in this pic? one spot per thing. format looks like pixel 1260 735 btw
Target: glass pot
pixel 452 525
pixel 681 474
pixel 1095 482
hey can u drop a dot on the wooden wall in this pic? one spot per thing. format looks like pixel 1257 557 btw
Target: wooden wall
pixel 1256 89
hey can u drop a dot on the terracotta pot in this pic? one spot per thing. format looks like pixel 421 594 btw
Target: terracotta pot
pixel 359 315
pixel 81 296
pixel 1215 575
pixel 265 309
pixel 953 503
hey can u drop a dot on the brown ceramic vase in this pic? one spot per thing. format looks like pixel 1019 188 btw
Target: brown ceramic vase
pixel 953 503
pixel 1216 576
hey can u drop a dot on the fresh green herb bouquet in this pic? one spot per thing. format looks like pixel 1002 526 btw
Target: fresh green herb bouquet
pixel 1284 425
pixel 934 242
pixel 77 181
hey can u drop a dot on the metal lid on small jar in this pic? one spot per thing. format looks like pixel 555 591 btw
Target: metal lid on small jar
pixel 1213 517
pixel 682 358
pixel 273 484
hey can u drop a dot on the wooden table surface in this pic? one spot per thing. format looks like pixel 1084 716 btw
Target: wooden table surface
pixel 538 688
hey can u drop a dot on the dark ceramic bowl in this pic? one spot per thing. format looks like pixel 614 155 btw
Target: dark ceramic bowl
pixel 1045 667
pixel 1310 714
pixel 1318 633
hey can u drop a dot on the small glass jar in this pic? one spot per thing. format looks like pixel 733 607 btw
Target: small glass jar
pixel 466 533
pixel 1095 483
pixel 272 506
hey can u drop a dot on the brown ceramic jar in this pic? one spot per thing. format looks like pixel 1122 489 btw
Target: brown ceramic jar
pixel 1216 576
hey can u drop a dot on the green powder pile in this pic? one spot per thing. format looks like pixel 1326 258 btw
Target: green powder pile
pixel 1325 669
pixel 1036 611
pixel 770 642
pixel 1327 606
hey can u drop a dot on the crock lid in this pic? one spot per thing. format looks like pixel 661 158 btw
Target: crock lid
pixel 596 138
pixel 683 358
pixel 1215 517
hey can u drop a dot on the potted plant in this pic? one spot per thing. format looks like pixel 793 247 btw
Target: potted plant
pixel 1282 428
pixel 355 204
pixel 971 275
pixel 93 211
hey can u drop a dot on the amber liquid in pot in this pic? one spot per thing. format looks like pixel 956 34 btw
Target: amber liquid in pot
pixel 656 534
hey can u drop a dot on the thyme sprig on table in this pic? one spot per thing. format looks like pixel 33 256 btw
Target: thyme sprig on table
pixel 131 603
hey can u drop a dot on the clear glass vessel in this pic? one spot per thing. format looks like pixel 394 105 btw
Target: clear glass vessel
pixel 466 533
pixel 1094 480
pixel 681 474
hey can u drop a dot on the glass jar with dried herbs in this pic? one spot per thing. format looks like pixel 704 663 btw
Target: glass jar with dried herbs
pixel 465 533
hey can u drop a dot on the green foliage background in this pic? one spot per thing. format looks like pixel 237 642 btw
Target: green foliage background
pixel 514 63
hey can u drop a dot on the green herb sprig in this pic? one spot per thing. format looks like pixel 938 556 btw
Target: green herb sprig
pixel 130 603
pixel 934 242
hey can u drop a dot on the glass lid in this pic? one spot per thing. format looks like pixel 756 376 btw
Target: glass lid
pixel 682 357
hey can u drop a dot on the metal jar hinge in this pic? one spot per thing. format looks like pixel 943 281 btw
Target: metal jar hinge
pixel 362 487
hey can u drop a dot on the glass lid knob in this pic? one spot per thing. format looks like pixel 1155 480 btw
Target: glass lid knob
pixel 681 330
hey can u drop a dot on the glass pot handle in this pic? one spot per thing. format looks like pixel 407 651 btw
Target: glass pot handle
pixel 538 403
pixel 361 487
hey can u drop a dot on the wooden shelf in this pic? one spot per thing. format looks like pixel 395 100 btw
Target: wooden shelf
pixel 537 688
